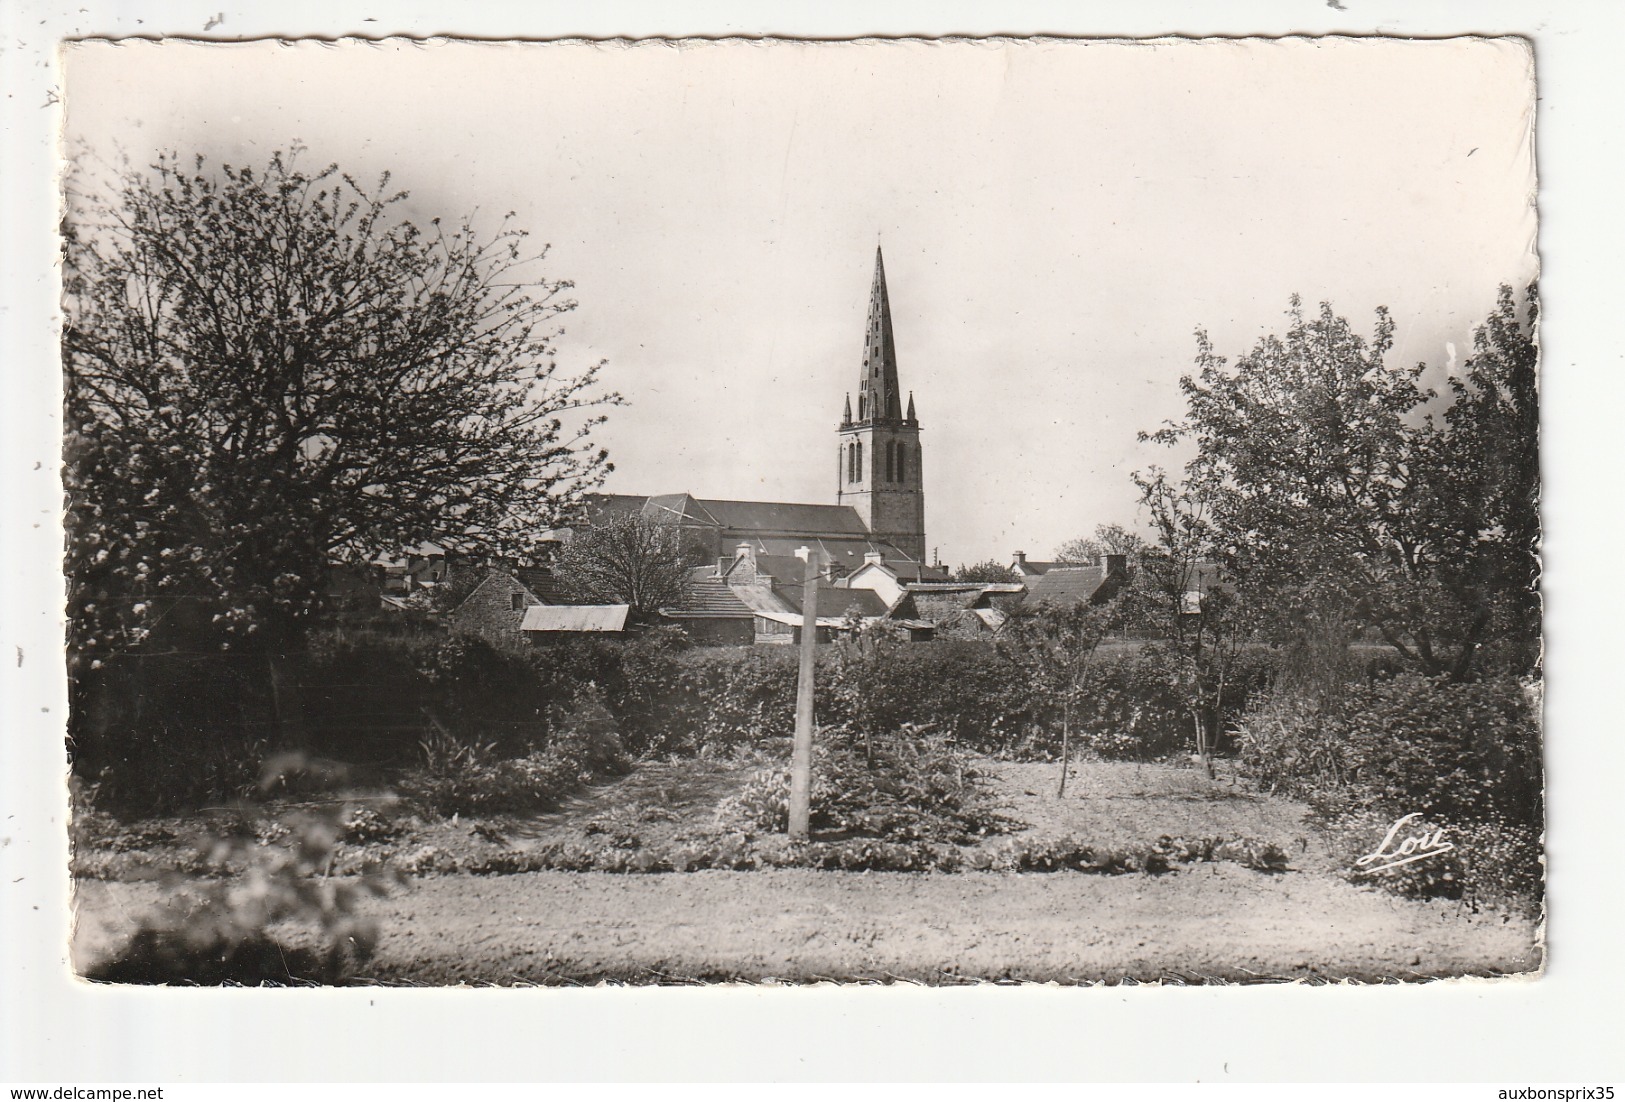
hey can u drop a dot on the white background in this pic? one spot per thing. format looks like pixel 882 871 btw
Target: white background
pixel 1562 1027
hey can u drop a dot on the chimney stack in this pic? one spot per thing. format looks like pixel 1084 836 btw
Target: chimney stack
pixel 874 558
pixel 747 553
pixel 1116 564
pixel 1021 558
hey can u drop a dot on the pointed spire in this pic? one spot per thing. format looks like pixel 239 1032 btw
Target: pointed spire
pixel 878 392
pixel 911 416
pixel 846 416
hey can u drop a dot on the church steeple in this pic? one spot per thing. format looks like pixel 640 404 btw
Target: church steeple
pixel 880 472
pixel 879 398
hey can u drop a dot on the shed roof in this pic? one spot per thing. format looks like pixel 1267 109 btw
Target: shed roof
pixel 575 618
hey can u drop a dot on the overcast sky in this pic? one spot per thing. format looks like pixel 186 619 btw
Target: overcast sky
pixel 1058 217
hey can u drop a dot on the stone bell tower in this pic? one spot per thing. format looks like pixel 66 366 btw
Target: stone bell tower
pixel 880 473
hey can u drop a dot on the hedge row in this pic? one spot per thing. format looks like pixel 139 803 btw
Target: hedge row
pixel 180 731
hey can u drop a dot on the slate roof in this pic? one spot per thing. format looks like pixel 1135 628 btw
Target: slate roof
pixel 847 554
pixel 678 509
pixel 1041 568
pixel 763 600
pixel 775 529
pixel 833 601
pixel 781 568
pixel 708 597
pixel 786 518
pixel 575 618
pixel 933 586
pixel 907 570
pixel 1066 586
pixel 603 507
pixel 543 584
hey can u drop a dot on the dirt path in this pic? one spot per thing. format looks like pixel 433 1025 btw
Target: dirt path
pixel 1202 923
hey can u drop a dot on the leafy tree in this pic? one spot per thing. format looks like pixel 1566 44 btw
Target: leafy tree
pixel 268 369
pixel 988 570
pixel 1109 539
pixel 628 560
pixel 1053 647
pixel 1180 595
pixel 1327 486
pixel 1483 498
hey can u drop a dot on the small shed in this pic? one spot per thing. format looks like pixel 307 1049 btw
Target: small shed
pixel 546 622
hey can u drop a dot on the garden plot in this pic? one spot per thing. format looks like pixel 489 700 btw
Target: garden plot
pixel 1212 920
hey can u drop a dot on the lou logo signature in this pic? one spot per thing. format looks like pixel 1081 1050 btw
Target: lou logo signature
pixel 1395 850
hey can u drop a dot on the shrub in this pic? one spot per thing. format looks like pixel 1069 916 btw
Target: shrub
pixel 1291 746
pixel 1459 752
pixel 1491 862
pixel 462 779
pixel 907 786
pixel 160 732
pixel 1465 757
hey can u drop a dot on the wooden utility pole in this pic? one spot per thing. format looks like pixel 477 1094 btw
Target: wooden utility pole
pixel 801 753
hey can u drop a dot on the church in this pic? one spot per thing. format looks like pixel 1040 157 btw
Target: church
pixel 879 508
pixel 870 541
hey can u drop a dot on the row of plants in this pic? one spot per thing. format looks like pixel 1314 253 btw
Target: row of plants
pixel 743 852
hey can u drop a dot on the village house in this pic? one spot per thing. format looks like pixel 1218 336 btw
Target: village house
pixel 495 607
pixel 1066 586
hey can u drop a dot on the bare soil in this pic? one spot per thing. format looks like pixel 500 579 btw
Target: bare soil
pixel 1206 923
pixel 1200 923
